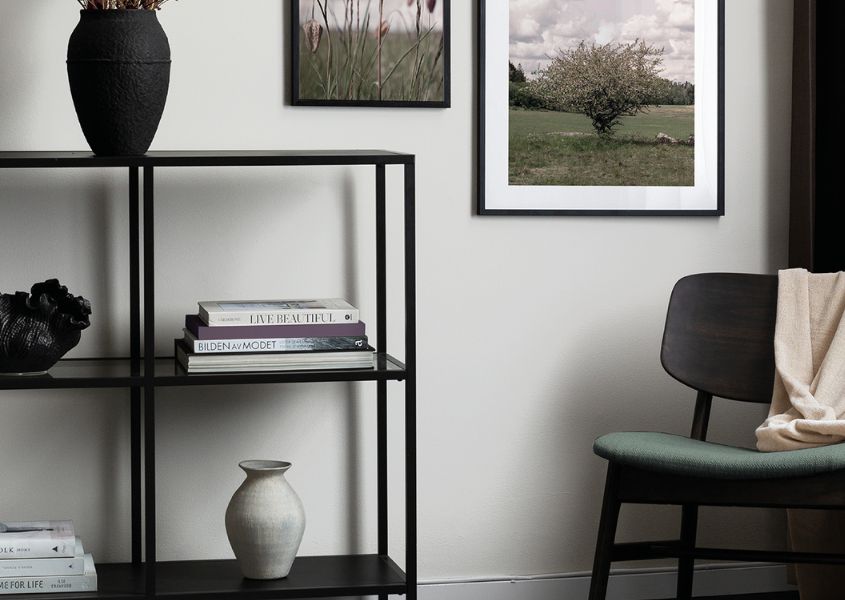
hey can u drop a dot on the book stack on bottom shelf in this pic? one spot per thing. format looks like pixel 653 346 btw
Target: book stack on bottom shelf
pixel 274 335
pixel 43 557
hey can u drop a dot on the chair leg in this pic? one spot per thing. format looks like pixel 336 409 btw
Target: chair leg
pixel 689 527
pixel 607 534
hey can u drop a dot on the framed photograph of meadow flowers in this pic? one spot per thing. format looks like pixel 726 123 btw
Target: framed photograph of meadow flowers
pixel 370 53
pixel 606 107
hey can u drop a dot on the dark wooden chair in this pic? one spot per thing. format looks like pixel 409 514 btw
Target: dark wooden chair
pixel 718 340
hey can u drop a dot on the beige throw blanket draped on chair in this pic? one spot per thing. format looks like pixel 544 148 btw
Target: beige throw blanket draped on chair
pixel 808 401
pixel 808 406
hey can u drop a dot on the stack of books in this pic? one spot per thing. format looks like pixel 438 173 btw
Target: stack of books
pixel 274 335
pixel 42 557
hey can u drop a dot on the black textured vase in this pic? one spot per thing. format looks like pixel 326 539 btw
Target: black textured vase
pixel 118 65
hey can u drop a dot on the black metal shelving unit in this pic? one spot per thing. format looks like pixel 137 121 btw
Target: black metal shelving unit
pixel 311 576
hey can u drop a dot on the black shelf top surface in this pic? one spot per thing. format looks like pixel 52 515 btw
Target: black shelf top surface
pixel 310 577
pixel 115 372
pixel 76 373
pixel 204 158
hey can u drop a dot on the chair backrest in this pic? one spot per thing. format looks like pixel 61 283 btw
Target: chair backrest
pixel 719 335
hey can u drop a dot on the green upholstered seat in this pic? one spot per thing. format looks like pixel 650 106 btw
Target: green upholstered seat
pixel 678 455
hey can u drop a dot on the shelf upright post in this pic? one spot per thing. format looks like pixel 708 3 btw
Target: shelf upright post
pixel 410 384
pixel 135 359
pixel 149 387
pixel 381 345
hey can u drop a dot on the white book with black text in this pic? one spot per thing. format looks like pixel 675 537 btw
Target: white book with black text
pixel 42 567
pixel 84 582
pixel 37 539
pixel 278 312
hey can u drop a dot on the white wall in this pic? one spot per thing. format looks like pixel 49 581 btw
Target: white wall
pixel 535 334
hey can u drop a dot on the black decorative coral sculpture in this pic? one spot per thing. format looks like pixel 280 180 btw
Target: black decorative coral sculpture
pixel 37 329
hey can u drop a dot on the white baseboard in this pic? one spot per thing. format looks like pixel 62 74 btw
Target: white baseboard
pixel 624 585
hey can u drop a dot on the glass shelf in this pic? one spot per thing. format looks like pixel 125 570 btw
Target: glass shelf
pixel 170 373
pixel 116 372
pixel 76 373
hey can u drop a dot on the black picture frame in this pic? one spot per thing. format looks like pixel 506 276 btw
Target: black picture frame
pixel 485 207
pixel 297 100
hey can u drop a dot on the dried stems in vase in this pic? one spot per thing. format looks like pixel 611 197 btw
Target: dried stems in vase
pixel 121 4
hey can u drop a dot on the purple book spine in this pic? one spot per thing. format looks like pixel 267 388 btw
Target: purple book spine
pixel 195 325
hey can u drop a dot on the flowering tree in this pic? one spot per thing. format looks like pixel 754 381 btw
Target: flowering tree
pixel 604 82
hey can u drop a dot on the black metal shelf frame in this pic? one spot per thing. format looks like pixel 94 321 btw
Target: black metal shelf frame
pixel 143 374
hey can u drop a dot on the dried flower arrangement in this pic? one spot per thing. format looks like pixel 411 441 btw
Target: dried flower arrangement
pixel 121 4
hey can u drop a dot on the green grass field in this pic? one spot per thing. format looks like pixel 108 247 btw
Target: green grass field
pixel 552 148
pixel 409 73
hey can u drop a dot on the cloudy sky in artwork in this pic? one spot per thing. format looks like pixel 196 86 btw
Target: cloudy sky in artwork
pixel 540 28
pixel 399 14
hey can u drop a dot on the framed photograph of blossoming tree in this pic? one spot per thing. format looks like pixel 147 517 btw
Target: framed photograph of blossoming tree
pixel 605 107
pixel 370 53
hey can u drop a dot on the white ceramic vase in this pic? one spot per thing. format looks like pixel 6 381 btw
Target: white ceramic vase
pixel 265 520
